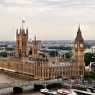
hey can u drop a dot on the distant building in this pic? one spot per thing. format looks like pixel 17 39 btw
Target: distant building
pixel 88 50
pixel 2 49
pixel 92 66
pixel 93 49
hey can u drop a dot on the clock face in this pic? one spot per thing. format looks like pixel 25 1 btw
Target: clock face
pixel 75 45
pixel 78 45
pixel 81 45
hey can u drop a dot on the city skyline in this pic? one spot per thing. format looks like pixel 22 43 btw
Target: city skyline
pixel 48 19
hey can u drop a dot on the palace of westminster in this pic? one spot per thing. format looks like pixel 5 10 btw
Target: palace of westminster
pixel 38 65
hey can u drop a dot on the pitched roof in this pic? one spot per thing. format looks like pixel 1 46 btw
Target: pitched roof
pixel 79 37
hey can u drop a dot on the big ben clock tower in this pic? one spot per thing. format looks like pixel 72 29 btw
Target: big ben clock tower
pixel 79 53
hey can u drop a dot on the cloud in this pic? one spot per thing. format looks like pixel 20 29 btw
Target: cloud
pixel 48 3
pixel 45 15
pixel 65 3
pixel 16 3
pixel 59 6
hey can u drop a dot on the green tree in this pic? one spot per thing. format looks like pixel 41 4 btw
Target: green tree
pixel 89 57
pixel 3 54
pixel 68 55
pixel 53 53
pixel 89 75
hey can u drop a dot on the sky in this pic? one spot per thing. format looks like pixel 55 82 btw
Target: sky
pixel 48 19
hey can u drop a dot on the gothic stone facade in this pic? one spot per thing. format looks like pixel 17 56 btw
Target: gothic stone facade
pixel 21 41
pixel 42 69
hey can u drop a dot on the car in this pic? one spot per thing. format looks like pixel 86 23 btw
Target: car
pixel 45 90
pixel 50 92
pixel 60 91
pixel 64 92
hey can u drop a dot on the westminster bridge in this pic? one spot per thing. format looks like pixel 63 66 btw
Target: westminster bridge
pixel 6 88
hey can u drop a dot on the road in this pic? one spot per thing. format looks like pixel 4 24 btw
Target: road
pixel 36 93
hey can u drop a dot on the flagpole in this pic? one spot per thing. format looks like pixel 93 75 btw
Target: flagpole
pixel 23 21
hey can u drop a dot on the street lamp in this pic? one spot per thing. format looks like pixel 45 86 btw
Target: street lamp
pixel 82 79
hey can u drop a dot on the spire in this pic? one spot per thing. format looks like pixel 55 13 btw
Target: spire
pixel 20 30
pixel 79 37
pixel 27 30
pixel 35 40
pixel 17 31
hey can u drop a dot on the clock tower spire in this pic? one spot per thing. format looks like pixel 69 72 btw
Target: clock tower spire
pixel 79 53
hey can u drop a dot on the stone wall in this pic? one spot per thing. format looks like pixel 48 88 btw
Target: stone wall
pixel 38 70
pixel 17 66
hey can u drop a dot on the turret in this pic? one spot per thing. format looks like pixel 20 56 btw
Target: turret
pixel 20 30
pixel 35 42
pixel 22 40
pixel 16 32
pixel 27 32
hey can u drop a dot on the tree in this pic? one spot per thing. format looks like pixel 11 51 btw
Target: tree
pixel 89 75
pixel 3 54
pixel 89 57
pixel 53 53
pixel 68 55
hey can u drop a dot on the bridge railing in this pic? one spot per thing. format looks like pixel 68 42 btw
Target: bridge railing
pixel 20 84
pixel 83 92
